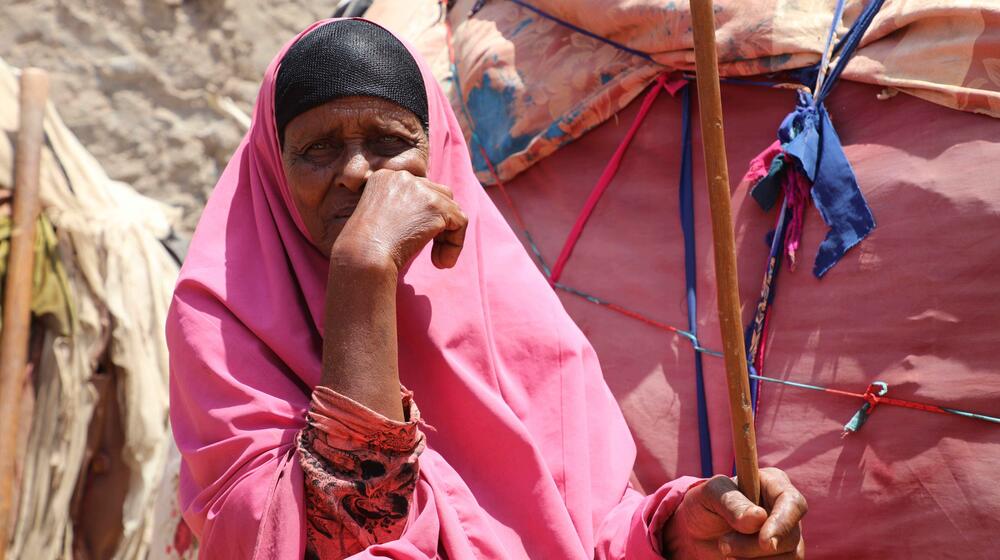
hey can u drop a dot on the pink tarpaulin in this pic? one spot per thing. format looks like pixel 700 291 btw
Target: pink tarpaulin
pixel 914 305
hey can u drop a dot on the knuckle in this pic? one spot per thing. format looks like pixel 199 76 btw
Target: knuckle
pixel 715 489
pixel 797 501
pixel 379 174
pixel 724 487
pixel 776 474
pixel 439 203
pixel 720 482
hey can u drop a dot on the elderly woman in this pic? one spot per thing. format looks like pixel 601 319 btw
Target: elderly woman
pixel 348 252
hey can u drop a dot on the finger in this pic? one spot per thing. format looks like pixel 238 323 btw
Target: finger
pixel 750 546
pixel 788 505
pixel 450 237
pixel 448 244
pixel 443 189
pixel 798 554
pixel 722 497
pixel 444 255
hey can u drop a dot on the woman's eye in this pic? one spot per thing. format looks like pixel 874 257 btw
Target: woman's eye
pixel 321 151
pixel 317 147
pixel 390 142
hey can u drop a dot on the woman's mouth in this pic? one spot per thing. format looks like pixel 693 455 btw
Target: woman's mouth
pixel 343 214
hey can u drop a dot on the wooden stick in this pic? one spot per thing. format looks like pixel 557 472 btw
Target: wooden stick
pixel 710 109
pixel 17 290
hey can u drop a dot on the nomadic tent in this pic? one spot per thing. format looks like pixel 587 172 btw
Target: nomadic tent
pixel 554 94
pixel 94 415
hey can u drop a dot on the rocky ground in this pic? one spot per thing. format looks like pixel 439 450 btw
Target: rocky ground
pixel 140 82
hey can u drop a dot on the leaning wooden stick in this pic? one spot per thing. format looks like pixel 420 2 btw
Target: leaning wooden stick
pixel 17 289
pixel 710 108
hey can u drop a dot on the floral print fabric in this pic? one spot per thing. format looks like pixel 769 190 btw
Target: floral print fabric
pixel 527 85
pixel 360 473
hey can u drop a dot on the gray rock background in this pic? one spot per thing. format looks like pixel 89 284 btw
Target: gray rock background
pixel 134 79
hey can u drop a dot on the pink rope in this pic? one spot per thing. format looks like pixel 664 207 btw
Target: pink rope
pixel 797 188
pixel 602 184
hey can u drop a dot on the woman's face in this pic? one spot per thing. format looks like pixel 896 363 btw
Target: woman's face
pixel 331 150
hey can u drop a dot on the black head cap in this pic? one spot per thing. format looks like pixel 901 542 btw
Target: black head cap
pixel 342 59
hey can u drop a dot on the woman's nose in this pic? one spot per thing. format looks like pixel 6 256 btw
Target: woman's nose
pixel 356 171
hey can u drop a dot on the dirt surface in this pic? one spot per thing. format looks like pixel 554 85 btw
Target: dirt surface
pixel 135 79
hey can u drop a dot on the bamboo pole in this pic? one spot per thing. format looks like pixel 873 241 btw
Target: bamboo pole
pixel 710 109
pixel 14 337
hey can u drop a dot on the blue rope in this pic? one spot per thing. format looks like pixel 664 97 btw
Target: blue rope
pixel 583 31
pixel 838 14
pixel 686 191
pixel 845 47
pixel 755 329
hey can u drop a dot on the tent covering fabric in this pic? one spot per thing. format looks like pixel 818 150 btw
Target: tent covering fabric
pixel 529 85
pixel 120 279
pixel 913 305
pixel 172 537
pixel 49 287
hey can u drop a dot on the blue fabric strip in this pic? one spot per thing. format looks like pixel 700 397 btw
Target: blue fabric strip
pixel 808 136
pixel 686 191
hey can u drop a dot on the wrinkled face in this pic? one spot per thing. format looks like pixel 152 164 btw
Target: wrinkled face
pixel 331 150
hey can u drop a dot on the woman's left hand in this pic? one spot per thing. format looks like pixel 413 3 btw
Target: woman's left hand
pixel 715 520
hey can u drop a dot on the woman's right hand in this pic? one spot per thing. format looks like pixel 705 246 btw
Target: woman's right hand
pixel 397 215
pixel 715 521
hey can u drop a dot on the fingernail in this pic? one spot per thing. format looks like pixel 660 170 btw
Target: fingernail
pixel 724 548
pixel 774 543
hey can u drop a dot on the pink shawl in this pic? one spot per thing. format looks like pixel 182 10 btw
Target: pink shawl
pixel 529 455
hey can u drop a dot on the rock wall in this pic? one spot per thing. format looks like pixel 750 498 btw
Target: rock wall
pixel 137 80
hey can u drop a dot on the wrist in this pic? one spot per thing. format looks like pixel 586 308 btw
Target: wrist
pixel 362 258
pixel 671 538
pixel 676 538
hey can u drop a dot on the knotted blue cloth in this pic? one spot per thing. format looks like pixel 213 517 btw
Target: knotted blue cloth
pixel 808 138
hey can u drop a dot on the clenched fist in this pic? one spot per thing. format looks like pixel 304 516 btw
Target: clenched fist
pixel 716 521
pixel 397 215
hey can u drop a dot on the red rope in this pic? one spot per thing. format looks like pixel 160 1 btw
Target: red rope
pixel 640 317
pixel 911 404
pixel 602 183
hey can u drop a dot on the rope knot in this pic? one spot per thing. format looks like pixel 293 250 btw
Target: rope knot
pixel 872 396
pixel 873 392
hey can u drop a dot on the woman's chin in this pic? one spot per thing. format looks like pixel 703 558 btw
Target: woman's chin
pixel 325 244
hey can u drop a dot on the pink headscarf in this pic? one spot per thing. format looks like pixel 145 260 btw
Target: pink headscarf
pixel 529 455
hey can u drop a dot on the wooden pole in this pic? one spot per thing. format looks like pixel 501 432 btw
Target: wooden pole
pixel 17 290
pixel 710 109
